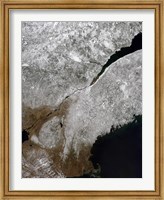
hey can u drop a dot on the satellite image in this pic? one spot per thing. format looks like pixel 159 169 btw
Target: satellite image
pixel 81 99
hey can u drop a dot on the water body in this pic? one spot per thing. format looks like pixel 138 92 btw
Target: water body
pixel 136 45
pixel 25 136
pixel 118 154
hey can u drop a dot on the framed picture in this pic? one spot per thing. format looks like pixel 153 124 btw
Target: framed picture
pixel 81 99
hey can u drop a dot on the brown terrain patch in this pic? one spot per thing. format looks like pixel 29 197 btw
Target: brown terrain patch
pixel 71 167
pixel 76 166
pixel 33 120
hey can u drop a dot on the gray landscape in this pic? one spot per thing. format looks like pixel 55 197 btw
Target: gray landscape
pixel 80 80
